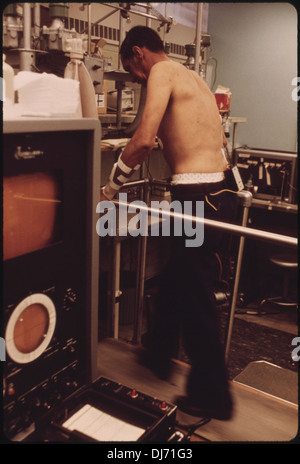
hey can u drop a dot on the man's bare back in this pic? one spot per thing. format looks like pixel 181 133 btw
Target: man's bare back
pixel 190 129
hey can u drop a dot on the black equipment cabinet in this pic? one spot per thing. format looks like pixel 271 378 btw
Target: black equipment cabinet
pixel 51 172
pixel 270 174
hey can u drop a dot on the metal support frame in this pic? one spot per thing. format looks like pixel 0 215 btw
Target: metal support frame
pixel 231 228
pixel 243 231
pixel 86 29
pixel 121 9
pixel 115 288
pixel 147 6
pixel 140 277
pixel 246 200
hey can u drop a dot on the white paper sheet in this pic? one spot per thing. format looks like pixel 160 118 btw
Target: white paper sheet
pixel 101 426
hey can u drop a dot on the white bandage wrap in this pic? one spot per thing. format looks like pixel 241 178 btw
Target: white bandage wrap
pixel 108 192
pixel 120 174
pixel 123 167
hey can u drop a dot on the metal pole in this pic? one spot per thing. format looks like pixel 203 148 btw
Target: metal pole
pixel 246 198
pixel 116 288
pixel 26 54
pixel 140 280
pixel 122 37
pixel 198 37
pixel 148 9
pixel 120 85
pixel 233 153
pixel 37 19
pixel 27 25
pixel 89 28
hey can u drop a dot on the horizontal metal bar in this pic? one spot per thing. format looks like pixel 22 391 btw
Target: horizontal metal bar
pixel 133 183
pixel 280 155
pixel 99 20
pixel 140 13
pixel 231 228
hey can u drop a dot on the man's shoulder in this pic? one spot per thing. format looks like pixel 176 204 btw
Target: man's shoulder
pixel 166 70
pixel 165 66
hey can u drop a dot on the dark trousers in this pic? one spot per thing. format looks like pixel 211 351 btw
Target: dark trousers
pixel 186 302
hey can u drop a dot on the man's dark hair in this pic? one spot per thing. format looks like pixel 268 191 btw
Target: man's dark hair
pixel 141 36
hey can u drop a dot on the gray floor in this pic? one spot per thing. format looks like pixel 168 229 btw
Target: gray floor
pixel 266 404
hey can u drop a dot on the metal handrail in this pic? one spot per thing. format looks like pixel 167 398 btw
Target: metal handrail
pixel 228 227
pixel 243 231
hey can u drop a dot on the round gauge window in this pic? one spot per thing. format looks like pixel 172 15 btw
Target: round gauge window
pixel 30 328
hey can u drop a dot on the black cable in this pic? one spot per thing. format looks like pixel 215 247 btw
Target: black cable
pixel 190 429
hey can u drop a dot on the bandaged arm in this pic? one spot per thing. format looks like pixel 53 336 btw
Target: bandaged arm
pixel 120 174
pixel 135 152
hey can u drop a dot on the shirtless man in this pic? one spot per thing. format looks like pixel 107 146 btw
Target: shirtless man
pixel 182 111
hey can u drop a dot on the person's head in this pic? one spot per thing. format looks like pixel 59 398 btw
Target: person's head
pixel 139 43
pixel 140 36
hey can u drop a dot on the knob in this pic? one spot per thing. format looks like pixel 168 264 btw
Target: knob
pixel 69 385
pixel 163 405
pixel 55 397
pixel 27 418
pixel 133 393
pixel 11 389
pixel 36 402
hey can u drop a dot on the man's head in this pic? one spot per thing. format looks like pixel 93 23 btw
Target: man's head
pixel 140 49
pixel 141 36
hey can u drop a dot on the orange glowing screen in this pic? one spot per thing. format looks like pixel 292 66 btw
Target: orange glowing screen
pixel 31 328
pixel 31 205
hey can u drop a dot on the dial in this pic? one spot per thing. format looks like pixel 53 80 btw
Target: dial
pixel 30 328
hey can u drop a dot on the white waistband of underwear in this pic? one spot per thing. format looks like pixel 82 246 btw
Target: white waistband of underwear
pixel 197 178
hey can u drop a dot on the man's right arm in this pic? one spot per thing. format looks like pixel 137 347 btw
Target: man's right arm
pixel 143 140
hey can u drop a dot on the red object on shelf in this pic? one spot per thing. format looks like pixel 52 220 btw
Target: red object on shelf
pixel 223 101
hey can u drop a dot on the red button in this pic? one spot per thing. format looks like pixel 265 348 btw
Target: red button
pixel 133 393
pixel 163 405
pixel 11 390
